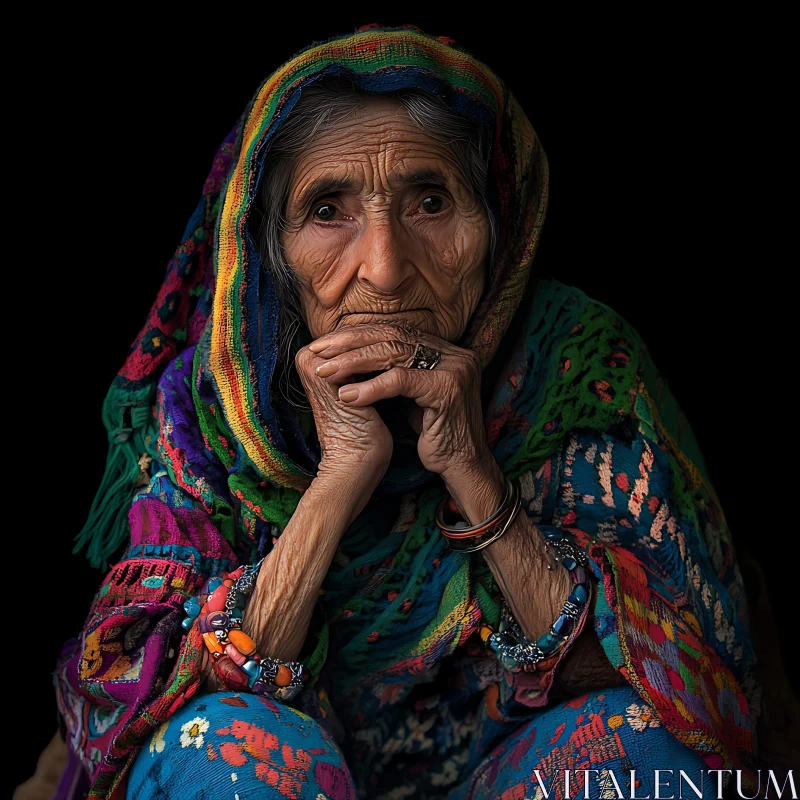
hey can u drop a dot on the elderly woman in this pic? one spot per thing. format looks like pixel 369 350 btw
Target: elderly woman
pixel 399 520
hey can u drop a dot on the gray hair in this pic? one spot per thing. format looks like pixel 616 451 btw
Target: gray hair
pixel 328 101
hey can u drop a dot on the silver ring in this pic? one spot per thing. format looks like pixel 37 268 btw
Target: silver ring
pixel 425 358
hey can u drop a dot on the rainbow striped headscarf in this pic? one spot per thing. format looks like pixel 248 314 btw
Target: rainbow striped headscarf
pixel 377 60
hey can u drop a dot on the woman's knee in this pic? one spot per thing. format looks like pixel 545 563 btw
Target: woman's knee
pixel 224 744
pixel 608 733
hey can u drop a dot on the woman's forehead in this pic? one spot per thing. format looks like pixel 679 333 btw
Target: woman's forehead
pixel 350 176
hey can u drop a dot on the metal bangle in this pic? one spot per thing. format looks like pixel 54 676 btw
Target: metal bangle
pixel 493 534
pixel 471 530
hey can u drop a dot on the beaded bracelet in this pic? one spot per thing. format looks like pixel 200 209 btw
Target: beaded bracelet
pixel 514 650
pixel 218 612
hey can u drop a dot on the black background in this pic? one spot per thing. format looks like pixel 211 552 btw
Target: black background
pixel 664 138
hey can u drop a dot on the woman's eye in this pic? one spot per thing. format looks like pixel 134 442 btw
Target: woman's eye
pixel 325 212
pixel 432 204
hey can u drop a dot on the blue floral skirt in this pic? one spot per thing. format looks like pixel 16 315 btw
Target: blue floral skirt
pixel 239 746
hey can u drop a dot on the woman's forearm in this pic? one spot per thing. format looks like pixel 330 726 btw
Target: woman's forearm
pixel 280 609
pixel 535 594
pixel 517 559
pixel 518 562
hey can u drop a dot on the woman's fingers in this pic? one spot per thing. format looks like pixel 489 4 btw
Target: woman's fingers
pixel 418 384
pixel 372 358
pixel 366 333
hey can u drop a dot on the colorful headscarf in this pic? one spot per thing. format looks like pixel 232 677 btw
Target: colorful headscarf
pixel 194 396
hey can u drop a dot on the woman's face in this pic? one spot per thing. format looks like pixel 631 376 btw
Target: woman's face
pixel 383 227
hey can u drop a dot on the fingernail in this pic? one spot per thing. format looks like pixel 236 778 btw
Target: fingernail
pixel 327 369
pixel 348 394
pixel 316 346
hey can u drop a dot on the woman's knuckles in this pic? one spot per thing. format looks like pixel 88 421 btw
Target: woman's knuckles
pixel 383 356
pixel 304 360
pixel 353 432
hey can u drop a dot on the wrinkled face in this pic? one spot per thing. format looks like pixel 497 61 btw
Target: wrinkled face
pixel 383 227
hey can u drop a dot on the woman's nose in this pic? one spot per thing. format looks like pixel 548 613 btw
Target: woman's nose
pixel 384 256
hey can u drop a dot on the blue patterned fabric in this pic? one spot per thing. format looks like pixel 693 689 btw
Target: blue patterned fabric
pixel 225 745
pixel 235 746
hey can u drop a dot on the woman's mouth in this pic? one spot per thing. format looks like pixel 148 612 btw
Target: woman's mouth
pixel 411 315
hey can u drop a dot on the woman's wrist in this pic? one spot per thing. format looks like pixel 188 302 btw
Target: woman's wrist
pixel 352 484
pixel 517 559
pixel 338 494
pixel 477 489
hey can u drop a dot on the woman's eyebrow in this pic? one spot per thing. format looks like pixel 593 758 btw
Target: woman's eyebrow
pixel 331 185
pixel 428 177
pixel 323 186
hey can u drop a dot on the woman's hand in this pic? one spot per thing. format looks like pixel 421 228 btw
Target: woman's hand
pixel 449 417
pixel 352 438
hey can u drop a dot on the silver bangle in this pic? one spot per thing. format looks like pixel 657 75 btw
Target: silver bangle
pixel 462 541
